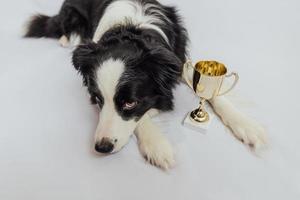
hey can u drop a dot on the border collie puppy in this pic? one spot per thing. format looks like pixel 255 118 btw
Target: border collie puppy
pixel 130 55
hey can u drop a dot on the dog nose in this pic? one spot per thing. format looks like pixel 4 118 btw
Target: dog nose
pixel 105 146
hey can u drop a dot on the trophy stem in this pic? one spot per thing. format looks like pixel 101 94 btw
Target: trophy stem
pixel 200 115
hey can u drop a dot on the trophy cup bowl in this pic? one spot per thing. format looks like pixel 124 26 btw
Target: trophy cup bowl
pixel 206 79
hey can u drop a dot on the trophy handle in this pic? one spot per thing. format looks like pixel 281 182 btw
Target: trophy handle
pixel 186 74
pixel 236 79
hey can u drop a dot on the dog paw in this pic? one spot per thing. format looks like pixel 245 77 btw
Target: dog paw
pixel 248 131
pixel 64 41
pixel 158 153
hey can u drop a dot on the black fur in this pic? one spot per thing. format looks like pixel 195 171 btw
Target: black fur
pixel 153 66
pixel 44 26
pixel 75 16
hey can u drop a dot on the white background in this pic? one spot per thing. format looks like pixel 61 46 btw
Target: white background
pixel 47 123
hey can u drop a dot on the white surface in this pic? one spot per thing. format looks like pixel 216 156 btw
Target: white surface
pixel 47 123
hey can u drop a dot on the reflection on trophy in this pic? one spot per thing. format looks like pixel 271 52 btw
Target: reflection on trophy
pixel 206 79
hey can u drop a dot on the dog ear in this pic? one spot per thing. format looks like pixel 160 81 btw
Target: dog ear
pixel 85 59
pixel 84 56
pixel 165 67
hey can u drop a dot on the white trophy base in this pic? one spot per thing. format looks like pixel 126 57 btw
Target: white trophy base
pixel 201 127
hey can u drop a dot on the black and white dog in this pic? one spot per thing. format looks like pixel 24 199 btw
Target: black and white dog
pixel 130 55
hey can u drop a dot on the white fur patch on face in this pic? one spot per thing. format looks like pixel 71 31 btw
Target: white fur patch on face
pixel 128 11
pixel 111 125
pixel 108 76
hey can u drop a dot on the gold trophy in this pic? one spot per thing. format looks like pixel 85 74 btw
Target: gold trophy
pixel 206 79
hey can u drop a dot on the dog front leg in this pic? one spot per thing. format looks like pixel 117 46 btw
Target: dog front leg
pixel 153 145
pixel 244 128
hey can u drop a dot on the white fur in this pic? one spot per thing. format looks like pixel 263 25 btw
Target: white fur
pixel 244 128
pixel 63 41
pixel 74 40
pixel 153 145
pixel 128 11
pixel 111 125
pixel 153 112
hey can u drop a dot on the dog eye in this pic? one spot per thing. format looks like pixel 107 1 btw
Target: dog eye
pixel 130 105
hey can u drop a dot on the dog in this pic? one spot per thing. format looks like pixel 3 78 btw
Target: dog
pixel 130 54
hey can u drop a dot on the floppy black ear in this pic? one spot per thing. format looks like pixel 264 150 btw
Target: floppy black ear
pixel 85 60
pixel 165 68
pixel 84 56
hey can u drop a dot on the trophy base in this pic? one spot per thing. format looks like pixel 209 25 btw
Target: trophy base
pixel 201 127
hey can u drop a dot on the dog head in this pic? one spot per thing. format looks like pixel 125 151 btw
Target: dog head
pixel 126 74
